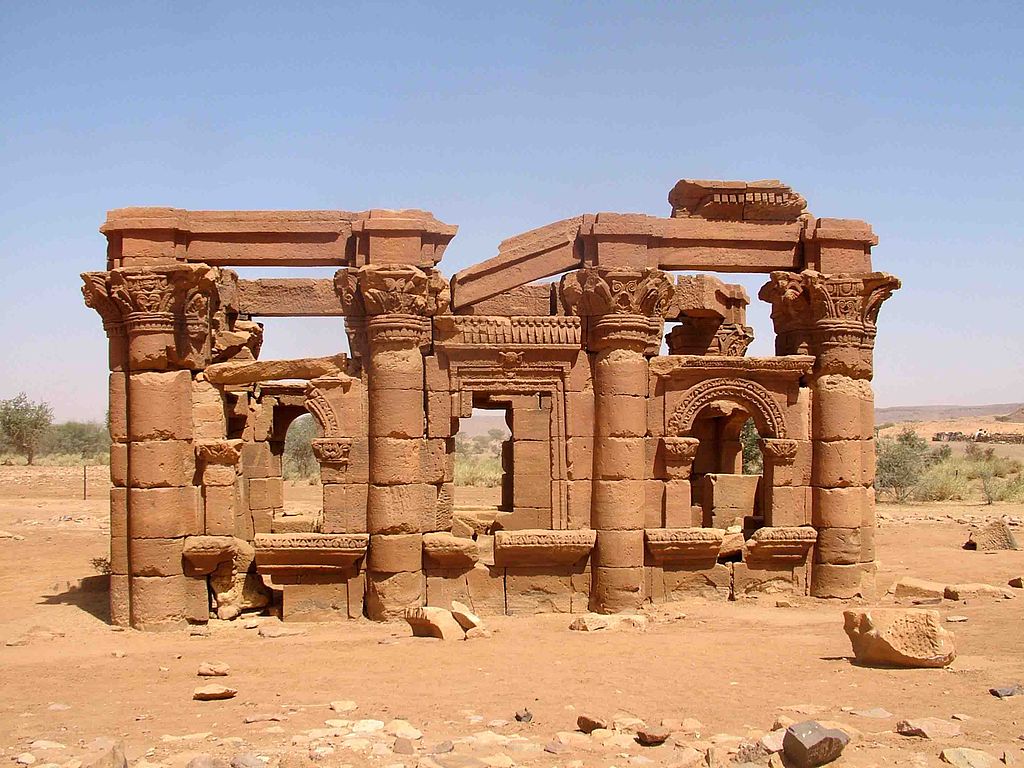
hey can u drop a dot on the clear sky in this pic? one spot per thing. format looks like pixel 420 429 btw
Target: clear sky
pixel 503 117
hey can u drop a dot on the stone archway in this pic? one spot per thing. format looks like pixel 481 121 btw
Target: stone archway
pixel 751 396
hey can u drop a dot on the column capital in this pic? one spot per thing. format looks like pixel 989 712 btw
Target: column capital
pixel 171 307
pixel 830 316
pixel 392 290
pixel 778 451
pixel 680 453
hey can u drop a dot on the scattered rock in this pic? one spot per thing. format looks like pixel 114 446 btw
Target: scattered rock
pixel 524 716
pixel 1007 691
pixel 993 537
pixel 403 746
pixel 343 706
pixel 960 716
pixel 477 633
pixel 804 709
pixel 247 760
pixel 44 745
pixel 213 693
pixel 25 758
pixel 928 728
pixel 213 669
pixel 876 713
pixel 772 741
pixel 975 592
pixel 595 622
pixel 956 619
pixel 429 621
pixel 204 760
pixel 785 604
pixel 111 756
pixel 590 723
pixel 962 757
pixel 808 744
pixel 403 729
pixel 274 629
pixel 466 618
pixel 263 718
pixel 626 722
pixel 689 757
pixel 557 748
pixel 752 752
pixel 442 748
pixel 56 707
pixel 1017 582
pixel 909 588
pixel 652 735
pixel 901 638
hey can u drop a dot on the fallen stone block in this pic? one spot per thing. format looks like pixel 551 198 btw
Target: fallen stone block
pixel 899 638
pixel 993 537
pixel 928 728
pixel 466 618
pixel 591 723
pixel 909 588
pixel 213 669
pixel 434 622
pixel 809 744
pixel 213 693
pixel 976 592
pixel 595 622
pixel 962 757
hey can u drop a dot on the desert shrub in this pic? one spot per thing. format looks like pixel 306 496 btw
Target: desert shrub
pixel 299 462
pixel 481 471
pixel 942 481
pixel 942 453
pixel 83 438
pixel 901 463
pixel 23 425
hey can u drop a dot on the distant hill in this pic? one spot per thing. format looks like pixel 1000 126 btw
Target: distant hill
pixel 901 413
pixel 1017 417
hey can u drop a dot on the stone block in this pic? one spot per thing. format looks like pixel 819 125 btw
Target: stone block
pixel 619 416
pixel 118 389
pixel 837 463
pixel 531 457
pixel 209 418
pixel 843 581
pixel 665 585
pixel 769 579
pixel 620 458
pixel 119 464
pixel 838 546
pixel 679 510
pixel 789 507
pixel 618 505
pixel 219 475
pixel 397 413
pixel 160 406
pixel 397 509
pixel 120 610
pixel 395 554
pixel 537 589
pixel 220 507
pixel 621 372
pixel 396 461
pixel 266 493
pixel 155 557
pixel 617 589
pixel 531 424
pixel 737 492
pixel 258 460
pixel 578 504
pixel 389 594
pixel 439 414
pixel 579 414
pixel 164 512
pixel 580 454
pixel 868 462
pixel 161 464
pixel 158 602
pixel 315 602
pixel 438 460
pixel 840 406
pixel 619 549
pixel 654 502
pixel 838 507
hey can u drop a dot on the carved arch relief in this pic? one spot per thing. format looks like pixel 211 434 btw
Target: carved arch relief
pixel 757 400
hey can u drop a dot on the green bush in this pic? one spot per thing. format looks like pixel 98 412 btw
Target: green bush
pixel 299 462
pixel 901 463
pixel 943 481
pixel 481 471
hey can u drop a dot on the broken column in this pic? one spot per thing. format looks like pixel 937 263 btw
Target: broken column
pixel 624 311
pixel 833 318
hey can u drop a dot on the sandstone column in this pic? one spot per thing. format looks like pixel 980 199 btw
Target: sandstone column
pixel 398 301
pixel 166 313
pixel 833 318
pixel 624 310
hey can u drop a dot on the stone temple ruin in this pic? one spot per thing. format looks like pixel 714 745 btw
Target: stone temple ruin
pixel 622 477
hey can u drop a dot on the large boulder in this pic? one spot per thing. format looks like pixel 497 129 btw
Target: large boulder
pixel 899 638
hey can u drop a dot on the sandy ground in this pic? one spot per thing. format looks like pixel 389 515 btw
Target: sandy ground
pixel 68 677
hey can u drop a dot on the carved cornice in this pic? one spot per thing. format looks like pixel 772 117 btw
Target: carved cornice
pixel 693 546
pixel 332 450
pixel 789 544
pixel 560 330
pixel 680 450
pixel 392 290
pixel 788 366
pixel 294 554
pixel 542 547
pixel 709 336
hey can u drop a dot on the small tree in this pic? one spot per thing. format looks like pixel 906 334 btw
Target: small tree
pixel 900 464
pixel 23 424
pixel 753 459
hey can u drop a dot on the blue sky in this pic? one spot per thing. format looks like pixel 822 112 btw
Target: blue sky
pixel 503 117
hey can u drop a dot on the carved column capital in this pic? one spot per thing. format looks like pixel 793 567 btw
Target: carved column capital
pixel 680 453
pixel 778 451
pixel 624 307
pixel 392 290
pixel 830 316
